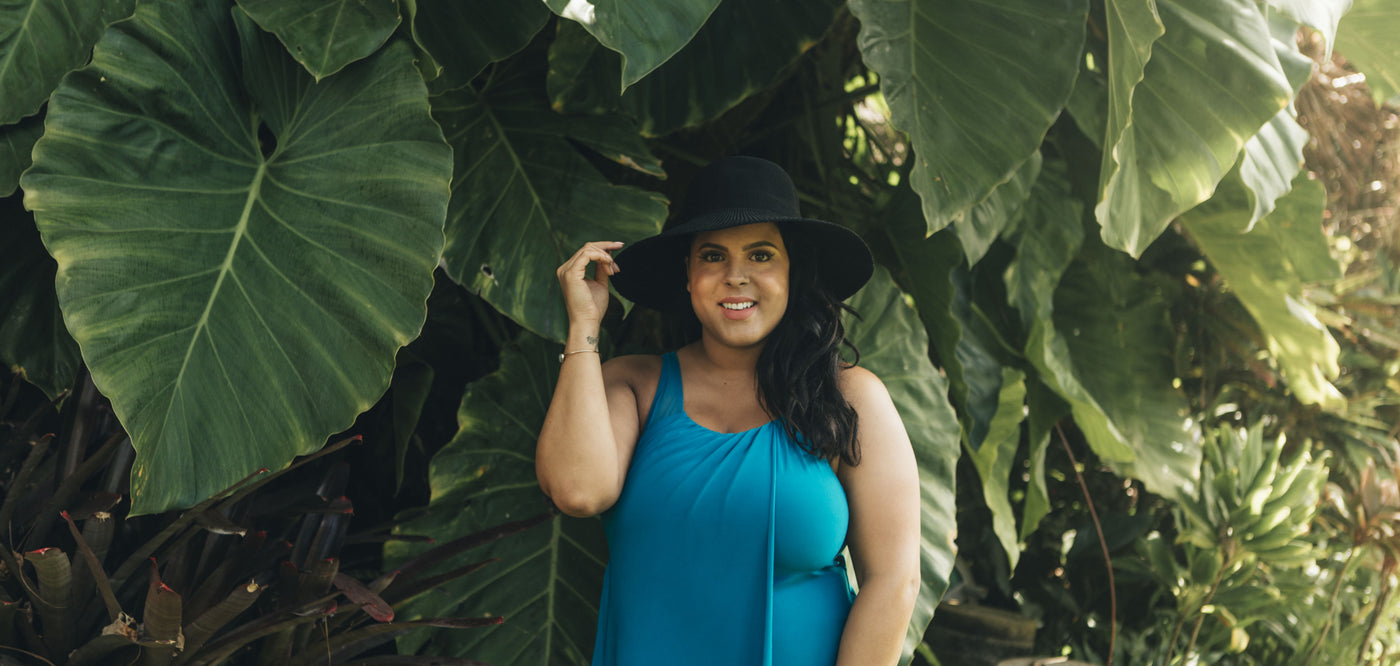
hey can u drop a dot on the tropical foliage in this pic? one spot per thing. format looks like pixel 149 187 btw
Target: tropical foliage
pixel 253 222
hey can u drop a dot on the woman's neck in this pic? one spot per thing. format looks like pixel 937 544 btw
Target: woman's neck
pixel 725 360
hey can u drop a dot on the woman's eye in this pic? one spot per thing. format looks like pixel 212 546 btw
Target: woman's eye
pixel 711 257
pixel 761 256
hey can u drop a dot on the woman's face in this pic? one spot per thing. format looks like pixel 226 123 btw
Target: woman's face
pixel 738 282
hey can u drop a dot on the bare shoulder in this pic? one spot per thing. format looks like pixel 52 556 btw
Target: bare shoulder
pixel 633 369
pixel 861 387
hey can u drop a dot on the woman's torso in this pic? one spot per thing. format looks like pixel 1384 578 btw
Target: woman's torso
pixel 722 546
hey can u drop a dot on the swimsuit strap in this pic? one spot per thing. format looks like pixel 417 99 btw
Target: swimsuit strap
pixel 670 397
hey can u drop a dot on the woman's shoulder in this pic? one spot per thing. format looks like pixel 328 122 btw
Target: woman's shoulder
pixel 861 387
pixel 636 370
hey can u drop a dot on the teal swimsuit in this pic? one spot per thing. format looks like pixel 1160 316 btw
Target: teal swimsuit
pixel 723 548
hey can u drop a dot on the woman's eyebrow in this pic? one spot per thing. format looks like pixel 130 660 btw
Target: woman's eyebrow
pixel 761 243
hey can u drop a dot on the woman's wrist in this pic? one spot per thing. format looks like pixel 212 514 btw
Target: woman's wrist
pixel 581 338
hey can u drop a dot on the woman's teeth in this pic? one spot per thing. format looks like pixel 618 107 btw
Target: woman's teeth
pixel 738 306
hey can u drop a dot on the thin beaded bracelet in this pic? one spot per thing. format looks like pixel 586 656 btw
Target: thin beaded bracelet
pixel 576 351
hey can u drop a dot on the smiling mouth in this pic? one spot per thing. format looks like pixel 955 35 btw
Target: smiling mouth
pixel 738 306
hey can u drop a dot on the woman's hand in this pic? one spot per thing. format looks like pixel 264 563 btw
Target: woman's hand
pixel 587 298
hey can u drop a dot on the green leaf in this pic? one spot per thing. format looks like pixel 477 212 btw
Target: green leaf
pixel 326 35
pixel 1046 410
pixel 1178 120
pixel 238 313
pixel 1273 157
pixel 16 142
pixel 894 347
pixel 1366 37
pixel 738 52
pixel 998 212
pixel 1271 160
pixel 923 267
pixel 644 33
pixel 1099 338
pixel 409 387
pixel 549 577
pixel 32 334
pixel 1266 269
pixel 994 458
pixel 40 41
pixel 1320 15
pixel 1116 330
pixel 465 36
pixel 524 199
pixel 975 84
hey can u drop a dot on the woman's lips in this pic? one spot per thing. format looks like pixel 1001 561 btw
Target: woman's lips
pixel 738 308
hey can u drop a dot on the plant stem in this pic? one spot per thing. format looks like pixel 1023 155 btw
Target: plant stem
pixel 1331 606
pixel 1103 545
pixel 1200 617
pixel 1387 588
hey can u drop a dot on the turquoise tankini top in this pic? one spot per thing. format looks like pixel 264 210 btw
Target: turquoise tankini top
pixel 723 548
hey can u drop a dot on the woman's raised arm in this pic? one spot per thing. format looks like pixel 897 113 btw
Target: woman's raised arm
pixel 592 425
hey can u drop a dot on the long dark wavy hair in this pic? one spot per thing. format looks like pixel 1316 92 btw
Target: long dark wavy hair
pixel 801 359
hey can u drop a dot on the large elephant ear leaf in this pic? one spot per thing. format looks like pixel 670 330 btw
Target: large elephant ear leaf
pixel 1188 85
pixel 645 33
pixel 326 35
pixel 548 579
pixel 737 53
pixel 464 36
pixel 239 293
pixel 894 346
pixel 41 40
pixel 1366 37
pixel 1091 325
pixel 1266 269
pixel 33 338
pixel 975 83
pixel 524 199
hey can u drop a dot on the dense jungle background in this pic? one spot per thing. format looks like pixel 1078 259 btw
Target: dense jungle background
pixel 280 317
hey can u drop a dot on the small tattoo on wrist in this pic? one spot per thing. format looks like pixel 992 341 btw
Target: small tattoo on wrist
pixel 592 340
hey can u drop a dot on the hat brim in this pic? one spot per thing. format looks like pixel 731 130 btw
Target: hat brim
pixel 653 269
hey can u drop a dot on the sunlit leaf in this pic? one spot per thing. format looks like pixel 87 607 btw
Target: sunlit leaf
pixel 894 347
pixel 1366 38
pixel 994 459
pixel 1045 412
pixel 549 578
pixel 1115 327
pixel 32 334
pixel 646 34
pixel 41 40
pixel 237 313
pixel 524 199
pixel 1178 120
pixel 1266 269
pixel 326 35
pixel 1099 339
pixel 976 85
pixel 1320 15
pixel 1273 157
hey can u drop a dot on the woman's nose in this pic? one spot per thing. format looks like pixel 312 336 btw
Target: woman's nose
pixel 736 275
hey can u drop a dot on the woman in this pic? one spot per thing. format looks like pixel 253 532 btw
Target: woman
pixel 731 472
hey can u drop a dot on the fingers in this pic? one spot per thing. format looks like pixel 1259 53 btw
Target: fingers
pixel 598 253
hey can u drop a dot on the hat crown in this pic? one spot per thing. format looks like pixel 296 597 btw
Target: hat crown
pixel 741 182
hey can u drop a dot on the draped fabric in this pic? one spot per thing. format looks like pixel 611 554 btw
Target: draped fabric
pixel 722 548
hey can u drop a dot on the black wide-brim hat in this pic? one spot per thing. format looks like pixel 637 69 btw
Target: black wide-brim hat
pixel 732 192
